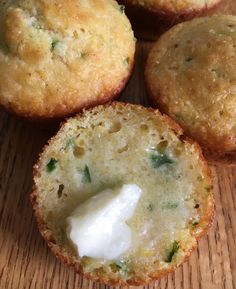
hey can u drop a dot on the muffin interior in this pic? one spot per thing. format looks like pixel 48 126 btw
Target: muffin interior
pixel 115 145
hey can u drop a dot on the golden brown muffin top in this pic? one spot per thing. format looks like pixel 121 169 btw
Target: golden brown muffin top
pixel 174 6
pixel 59 56
pixel 191 74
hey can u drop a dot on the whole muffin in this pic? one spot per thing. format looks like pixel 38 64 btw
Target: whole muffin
pixel 190 75
pixel 122 195
pixel 57 57
pixel 150 18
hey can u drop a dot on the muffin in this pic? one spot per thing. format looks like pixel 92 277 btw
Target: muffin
pixel 57 57
pixel 190 75
pixel 150 18
pixel 122 195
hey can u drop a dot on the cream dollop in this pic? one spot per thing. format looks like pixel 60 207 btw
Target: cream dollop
pixel 98 228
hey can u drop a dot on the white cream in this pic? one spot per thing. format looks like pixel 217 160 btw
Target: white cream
pixel 98 227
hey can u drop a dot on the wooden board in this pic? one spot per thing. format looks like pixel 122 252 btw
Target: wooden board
pixel 27 263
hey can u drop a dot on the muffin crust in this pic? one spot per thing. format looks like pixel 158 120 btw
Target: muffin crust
pixel 57 57
pixel 152 17
pixel 190 75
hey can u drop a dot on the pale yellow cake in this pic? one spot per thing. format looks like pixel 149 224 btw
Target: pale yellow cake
pixel 190 75
pixel 110 146
pixel 57 57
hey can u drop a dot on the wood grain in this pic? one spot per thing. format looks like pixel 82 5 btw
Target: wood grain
pixel 25 260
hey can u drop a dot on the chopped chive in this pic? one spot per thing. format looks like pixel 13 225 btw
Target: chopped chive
pixel 51 166
pixel 70 143
pixel 174 251
pixel 87 176
pixel 122 8
pixel 208 189
pixel 83 55
pixel 150 207
pixel 126 61
pixel 189 59
pixel 123 267
pixel 200 178
pixel 159 159
pixel 195 223
pixel 5 48
pixel 54 43
pixel 219 71
pixel 171 206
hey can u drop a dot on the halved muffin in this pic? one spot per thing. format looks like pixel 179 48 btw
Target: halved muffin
pixel 123 175
pixel 151 17
pixel 57 57
pixel 190 75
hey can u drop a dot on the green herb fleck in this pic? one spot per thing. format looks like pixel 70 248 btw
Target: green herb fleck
pixel 83 55
pixel 5 47
pixel 109 184
pixel 200 178
pixel 219 72
pixel 171 206
pixel 54 43
pixel 122 8
pixel 51 166
pixel 174 250
pixel 87 176
pixel 123 267
pixel 126 61
pixel 179 117
pixel 189 59
pixel 70 143
pixel 208 189
pixel 159 159
pixel 150 207
pixel 195 223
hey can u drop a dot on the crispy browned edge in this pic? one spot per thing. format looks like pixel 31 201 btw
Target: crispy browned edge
pixel 148 23
pixel 68 260
pixel 212 154
pixel 54 120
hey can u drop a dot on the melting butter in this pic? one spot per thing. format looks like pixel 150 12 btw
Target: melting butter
pixel 98 228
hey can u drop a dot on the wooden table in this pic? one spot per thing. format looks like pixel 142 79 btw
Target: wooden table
pixel 25 260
